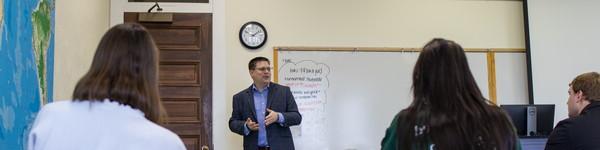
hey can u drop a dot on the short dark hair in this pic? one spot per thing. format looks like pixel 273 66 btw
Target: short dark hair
pixel 252 63
pixel 125 70
pixel 589 84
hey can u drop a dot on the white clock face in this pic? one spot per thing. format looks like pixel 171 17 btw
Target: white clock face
pixel 253 35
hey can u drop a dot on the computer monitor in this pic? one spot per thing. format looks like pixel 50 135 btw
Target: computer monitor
pixel 531 120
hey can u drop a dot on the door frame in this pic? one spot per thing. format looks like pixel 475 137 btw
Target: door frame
pixel 117 7
pixel 220 130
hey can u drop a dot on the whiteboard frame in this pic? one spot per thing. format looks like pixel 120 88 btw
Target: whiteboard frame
pixel 491 64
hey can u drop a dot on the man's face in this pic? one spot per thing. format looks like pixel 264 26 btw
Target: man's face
pixel 261 73
pixel 575 98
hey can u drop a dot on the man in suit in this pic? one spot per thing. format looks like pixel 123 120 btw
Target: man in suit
pixel 580 131
pixel 264 112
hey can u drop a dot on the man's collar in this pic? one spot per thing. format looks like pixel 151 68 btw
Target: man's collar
pixel 256 89
pixel 592 105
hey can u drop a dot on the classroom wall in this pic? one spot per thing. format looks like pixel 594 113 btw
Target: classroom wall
pixel 378 23
pixel 561 30
pixel 79 25
pixel 354 23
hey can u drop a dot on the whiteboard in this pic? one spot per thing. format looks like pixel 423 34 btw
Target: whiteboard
pixel 348 99
pixel 563 37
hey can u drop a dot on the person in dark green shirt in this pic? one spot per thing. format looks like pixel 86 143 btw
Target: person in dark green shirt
pixel 448 110
pixel 390 140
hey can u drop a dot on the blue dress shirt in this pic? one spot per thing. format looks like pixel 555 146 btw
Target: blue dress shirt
pixel 260 103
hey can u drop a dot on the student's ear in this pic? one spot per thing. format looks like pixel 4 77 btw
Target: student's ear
pixel 579 96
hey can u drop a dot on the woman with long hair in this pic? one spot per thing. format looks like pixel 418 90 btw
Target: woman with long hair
pixel 115 104
pixel 448 110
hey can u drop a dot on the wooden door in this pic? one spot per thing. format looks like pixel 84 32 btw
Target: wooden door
pixel 185 72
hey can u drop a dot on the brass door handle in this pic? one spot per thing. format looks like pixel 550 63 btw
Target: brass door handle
pixel 204 147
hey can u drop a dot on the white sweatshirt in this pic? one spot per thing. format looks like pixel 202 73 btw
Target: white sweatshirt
pixel 69 125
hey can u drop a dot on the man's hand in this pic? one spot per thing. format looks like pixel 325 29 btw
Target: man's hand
pixel 272 117
pixel 251 124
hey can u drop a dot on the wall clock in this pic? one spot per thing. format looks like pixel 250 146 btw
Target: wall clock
pixel 253 35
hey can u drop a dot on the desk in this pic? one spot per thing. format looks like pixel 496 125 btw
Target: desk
pixel 537 143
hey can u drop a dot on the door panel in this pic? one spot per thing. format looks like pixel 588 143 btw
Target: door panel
pixel 185 74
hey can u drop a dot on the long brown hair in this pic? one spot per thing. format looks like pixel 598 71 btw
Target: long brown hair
pixel 124 70
pixel 448 110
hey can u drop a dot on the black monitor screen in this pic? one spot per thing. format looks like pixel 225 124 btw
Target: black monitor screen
pixel 545 118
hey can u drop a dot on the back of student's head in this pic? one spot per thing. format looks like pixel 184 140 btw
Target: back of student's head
pixel 448 109
pixel 124 69
pixel 442 72
pixel 588 84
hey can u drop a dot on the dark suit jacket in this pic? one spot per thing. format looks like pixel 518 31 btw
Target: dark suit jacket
pixel 578 133
pixel 280 99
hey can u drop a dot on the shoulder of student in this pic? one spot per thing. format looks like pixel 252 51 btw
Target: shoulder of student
pixel 157 136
